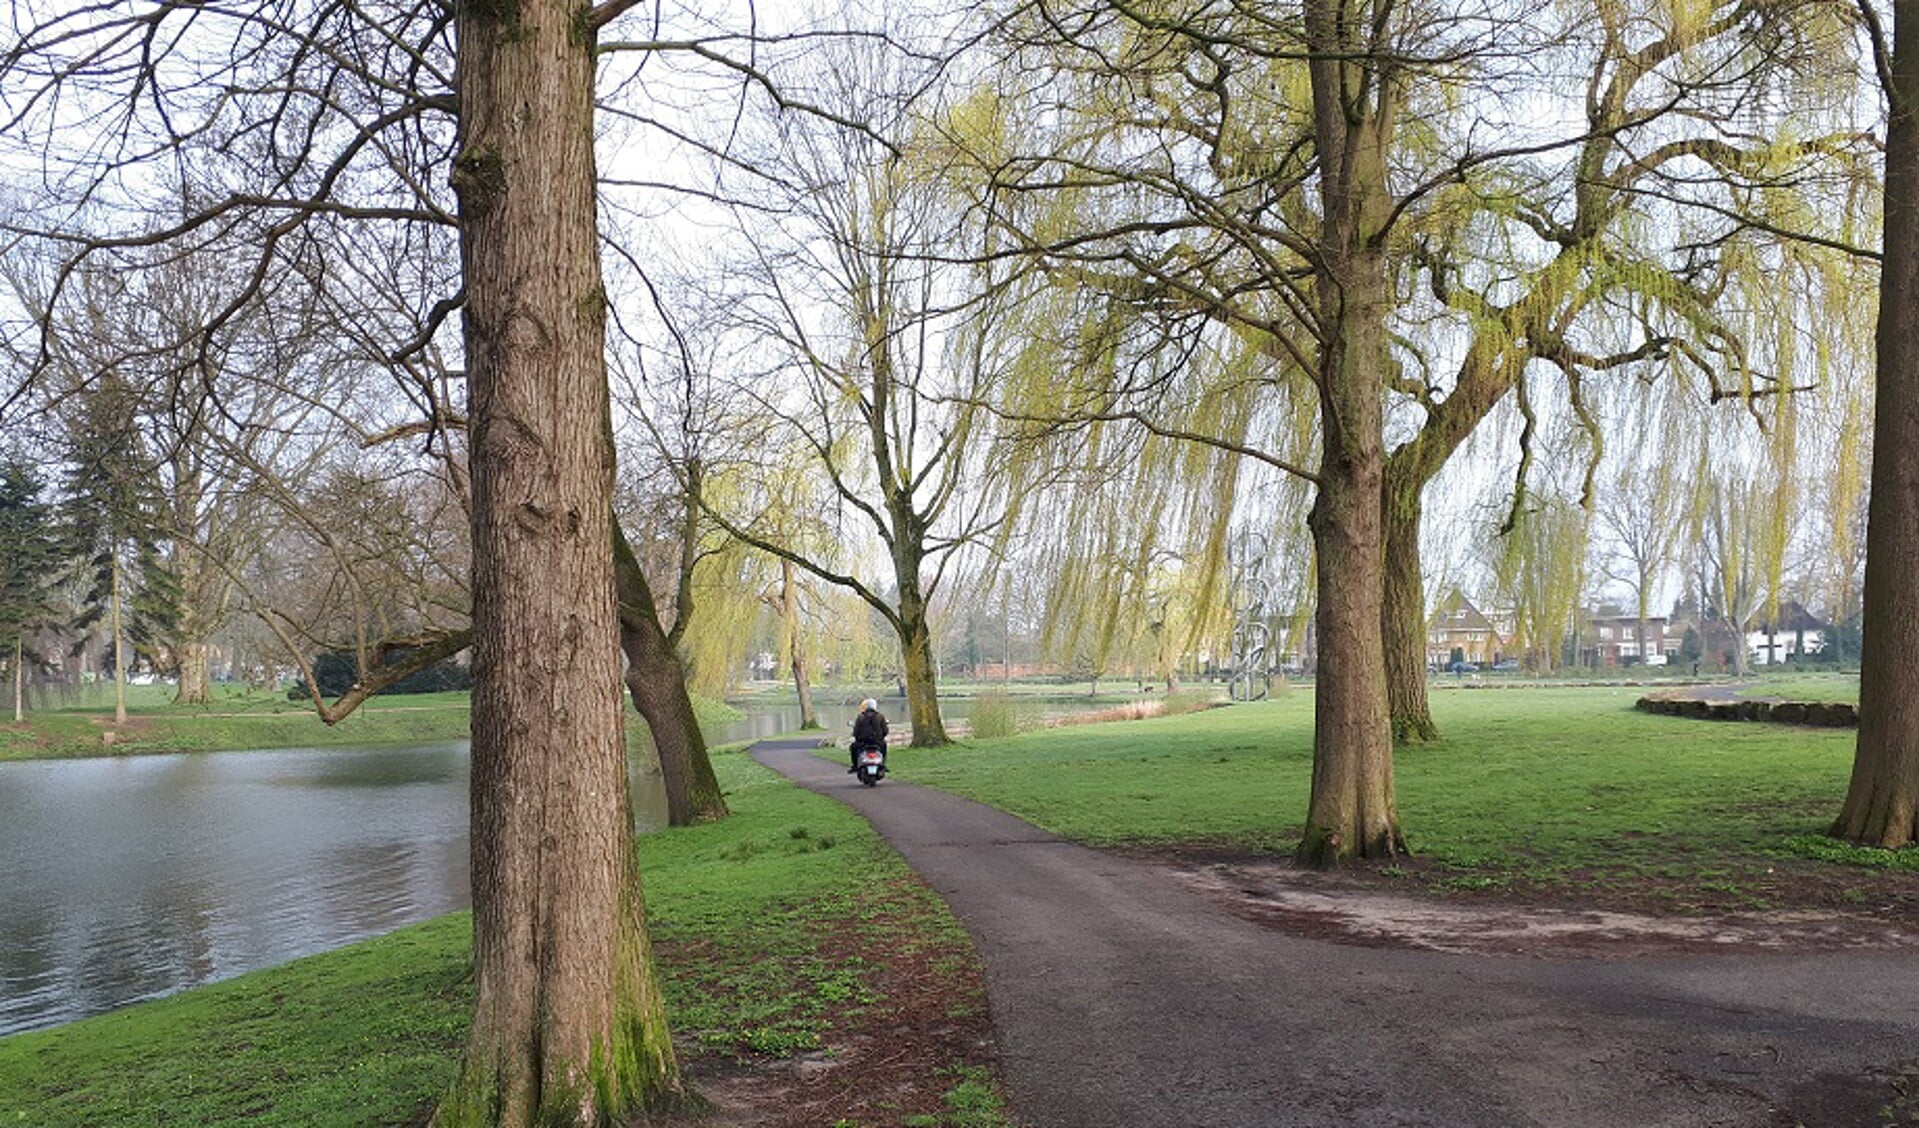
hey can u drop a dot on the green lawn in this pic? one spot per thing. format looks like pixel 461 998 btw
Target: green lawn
pixel 1797 686
pixel 1559 787
pixel 758 921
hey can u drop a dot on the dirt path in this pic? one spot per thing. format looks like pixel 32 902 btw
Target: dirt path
pixel 1124 996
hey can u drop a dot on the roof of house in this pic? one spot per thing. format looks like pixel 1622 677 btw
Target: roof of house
pixel 1457 613
pixel 1789 617
pixel 1629 620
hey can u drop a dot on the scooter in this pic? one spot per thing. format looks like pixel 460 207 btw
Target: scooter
pixel 871 765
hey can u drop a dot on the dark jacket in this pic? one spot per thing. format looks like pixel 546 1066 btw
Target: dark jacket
pixel 869 728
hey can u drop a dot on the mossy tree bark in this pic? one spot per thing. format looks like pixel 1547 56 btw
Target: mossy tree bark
pixel 1403 610
pixel 1486 374
pixel 656 680
pixel 922 690
pixel 1882 801
pixel 568 1024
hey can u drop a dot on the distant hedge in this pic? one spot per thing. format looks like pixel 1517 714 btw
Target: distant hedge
pixel 1822 714
pixel 336 672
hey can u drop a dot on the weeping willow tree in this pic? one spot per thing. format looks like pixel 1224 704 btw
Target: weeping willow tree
pixel 1641 506
pixel 1213 181
pixel 1843 506
pixel 1787 444
pixel 1610 251
pixel 1200 165
pixel 1133 552
pixel 738 584
pixel 1539 572
pixel 1132 560
pixel 1741 520
pixel 1834 429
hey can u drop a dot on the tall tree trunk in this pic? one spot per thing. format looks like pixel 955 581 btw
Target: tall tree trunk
pixel 1741 662
pixel 1486 373
pixel 568 1024
pixel 796 643
pixel 119 647
pixel 656 680
pixel 916 652
pixel 195 686
pixel 1353 811
pixel 1644 611
pixel 19 681
pixel 194 617
pixel 1403 610
pixel 1882 801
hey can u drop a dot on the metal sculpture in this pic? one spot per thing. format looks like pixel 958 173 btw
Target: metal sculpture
pixel 1252 670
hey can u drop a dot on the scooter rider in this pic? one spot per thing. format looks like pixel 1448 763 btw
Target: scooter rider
pixel 869 730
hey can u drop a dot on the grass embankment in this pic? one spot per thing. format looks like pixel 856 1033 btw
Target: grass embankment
pixel 785 928
pixel 1560 791
pixel 237 719
pixel 1796 686
pixel 241 719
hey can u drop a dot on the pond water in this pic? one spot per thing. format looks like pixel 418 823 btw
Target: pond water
pixel 130 878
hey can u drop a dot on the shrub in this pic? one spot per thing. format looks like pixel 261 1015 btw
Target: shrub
pixel 1186 701
pixel 994 715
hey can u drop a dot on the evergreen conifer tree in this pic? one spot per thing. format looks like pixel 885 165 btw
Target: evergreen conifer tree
pixel 107 521
pixel 29 563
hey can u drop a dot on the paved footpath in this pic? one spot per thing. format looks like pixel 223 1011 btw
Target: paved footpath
pixel 1121 999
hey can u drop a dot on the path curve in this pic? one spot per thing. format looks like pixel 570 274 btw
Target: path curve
pixel 1122 999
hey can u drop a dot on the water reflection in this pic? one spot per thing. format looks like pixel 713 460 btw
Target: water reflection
pixel 772 718
pixel 127 879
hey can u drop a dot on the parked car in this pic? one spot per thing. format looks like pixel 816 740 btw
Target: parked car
pixel 1505 665
pixel 1460 666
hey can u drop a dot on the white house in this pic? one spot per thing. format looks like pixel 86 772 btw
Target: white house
pixel 1792 632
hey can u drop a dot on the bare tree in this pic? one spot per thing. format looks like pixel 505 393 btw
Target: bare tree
pixel 1641 513
pixel 887 328
pixel 290 120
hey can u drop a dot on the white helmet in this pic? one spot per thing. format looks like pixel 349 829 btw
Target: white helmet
pixel 869 706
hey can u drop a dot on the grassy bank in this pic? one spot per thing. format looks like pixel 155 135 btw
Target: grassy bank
pixel 1562 790
pixel 784 929
pixel 1796 686
pixel 239 719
